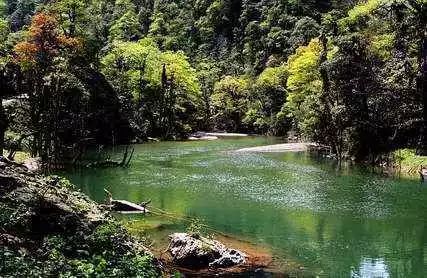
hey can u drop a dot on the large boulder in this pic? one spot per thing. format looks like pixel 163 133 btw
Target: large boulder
pixel 194 251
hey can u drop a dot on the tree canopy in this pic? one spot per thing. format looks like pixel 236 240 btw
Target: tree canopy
pixel 335 72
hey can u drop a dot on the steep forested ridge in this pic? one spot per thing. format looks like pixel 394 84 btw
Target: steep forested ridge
pixel 349 74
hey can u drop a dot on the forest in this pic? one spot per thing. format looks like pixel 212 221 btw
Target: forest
pixel 138 81
pixel 351 75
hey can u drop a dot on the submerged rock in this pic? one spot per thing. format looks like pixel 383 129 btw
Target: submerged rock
pixel 197 252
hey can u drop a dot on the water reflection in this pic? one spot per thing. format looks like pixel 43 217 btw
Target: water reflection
pixel 371 268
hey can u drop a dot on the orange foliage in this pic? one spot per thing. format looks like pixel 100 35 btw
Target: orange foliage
pixel 26 52
pixel 43 25
pixel 44 41
pixel 69 42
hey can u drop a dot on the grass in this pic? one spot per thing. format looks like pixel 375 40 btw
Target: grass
pixel 409 160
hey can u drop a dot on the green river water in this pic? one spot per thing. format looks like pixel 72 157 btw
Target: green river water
pixel 334 223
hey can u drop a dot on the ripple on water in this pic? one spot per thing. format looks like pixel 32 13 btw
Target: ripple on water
pixel 371 267
pixel 267 179
pixel 344 223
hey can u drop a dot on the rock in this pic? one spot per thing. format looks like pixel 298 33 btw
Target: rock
pixel 230 257
pixel 198 252
pixel 33 164
pixel 7 183
pixel 50 206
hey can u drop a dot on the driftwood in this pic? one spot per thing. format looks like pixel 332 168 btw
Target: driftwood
pixel 125 207
pixel 144 204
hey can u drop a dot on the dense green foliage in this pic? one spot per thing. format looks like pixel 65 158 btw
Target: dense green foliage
pixel 162 87
pixel 103 259
pixel 351 75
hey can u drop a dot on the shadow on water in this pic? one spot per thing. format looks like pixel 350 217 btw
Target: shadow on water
pixel 334 223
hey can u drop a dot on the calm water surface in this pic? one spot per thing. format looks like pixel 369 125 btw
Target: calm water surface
pixel 347 223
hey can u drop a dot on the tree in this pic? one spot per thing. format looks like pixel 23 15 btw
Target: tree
pixel 394 32
pixel 127 26
pixel 160 83
pixel 268 95
pixel 72 16
pixel 230 102
pixel 4 80
pixel 304 86
pixel 41 56
pixel 207 74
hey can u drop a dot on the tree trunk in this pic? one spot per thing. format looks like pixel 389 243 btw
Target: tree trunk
pixel 423 89
pixel 3 126
pixel 331 132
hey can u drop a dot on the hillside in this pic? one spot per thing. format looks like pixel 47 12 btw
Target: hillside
pixel 347 74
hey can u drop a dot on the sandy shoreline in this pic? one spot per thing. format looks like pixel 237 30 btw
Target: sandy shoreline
pixel 214 135
pixel 279 148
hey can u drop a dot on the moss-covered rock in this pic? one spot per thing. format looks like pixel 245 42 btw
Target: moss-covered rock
pixel 49 229
pixel 195 251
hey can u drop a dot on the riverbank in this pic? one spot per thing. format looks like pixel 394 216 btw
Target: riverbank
pixel 279 148
pixel 208 136
pixel 408 162
pixel 404 161
pixel 48 229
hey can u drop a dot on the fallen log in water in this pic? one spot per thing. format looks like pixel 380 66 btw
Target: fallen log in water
pixel 124 206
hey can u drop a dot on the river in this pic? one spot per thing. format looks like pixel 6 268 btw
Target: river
pixel 329 222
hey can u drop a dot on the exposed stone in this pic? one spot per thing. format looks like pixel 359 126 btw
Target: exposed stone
pixel 33 164
pixel 229 258
pixel 50 206
pixel 9 240
pixel 198 252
